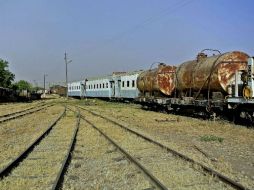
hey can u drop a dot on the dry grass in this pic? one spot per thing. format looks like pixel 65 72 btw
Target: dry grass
pixel 94 165
pixel 173 172
pixel 8 108
pixel 40 168
pixel 15 107
pixel 233 157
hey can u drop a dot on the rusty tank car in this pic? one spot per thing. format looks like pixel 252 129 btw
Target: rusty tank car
pixel 158 81
pixel 205 74
pixel 210 85
pixel 215 73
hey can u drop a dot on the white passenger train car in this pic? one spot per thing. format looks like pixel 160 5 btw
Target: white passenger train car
pixel 76 89
pixel 116 86
pixel 128 89
pixel 98 87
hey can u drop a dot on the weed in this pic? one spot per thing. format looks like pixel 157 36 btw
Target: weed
pixel 208 138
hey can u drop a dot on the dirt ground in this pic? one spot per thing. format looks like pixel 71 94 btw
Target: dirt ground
pixel 221 145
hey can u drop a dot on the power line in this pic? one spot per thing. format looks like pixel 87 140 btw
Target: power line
pixel 170 9
pixel 167 11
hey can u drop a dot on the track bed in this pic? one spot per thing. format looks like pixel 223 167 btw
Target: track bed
pixel 107 167
pixel 173 172
pixel 43 165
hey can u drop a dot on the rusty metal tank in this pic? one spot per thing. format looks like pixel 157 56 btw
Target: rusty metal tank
pixel 160 79
pixel 215 72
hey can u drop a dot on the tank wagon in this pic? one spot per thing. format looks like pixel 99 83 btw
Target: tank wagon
pixel 156 83
pixel 219 83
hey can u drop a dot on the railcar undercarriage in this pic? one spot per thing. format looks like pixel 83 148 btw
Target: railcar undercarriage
pixel 237 110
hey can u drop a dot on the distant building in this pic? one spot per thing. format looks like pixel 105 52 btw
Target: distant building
pixel 58 89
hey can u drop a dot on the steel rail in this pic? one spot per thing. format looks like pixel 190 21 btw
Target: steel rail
pixel 212 172
pixel 152 178
pixel 7 169
pixel 25 113
pixel 59 179
pixel 17 112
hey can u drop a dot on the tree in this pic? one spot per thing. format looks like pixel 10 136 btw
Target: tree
pixel 22 85
pixel 6 77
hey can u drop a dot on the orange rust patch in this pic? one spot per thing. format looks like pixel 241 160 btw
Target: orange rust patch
pixel 166 79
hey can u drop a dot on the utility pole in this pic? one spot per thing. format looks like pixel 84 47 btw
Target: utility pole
pixel 44 79
pixel 66 72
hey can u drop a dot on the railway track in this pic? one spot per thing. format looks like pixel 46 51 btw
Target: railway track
pixel 42 164
pixel 15 115
pixel 17 107
pixel 19 111
pixel 155 182
pixel 107 163
pixel 227 182
pixel 16 135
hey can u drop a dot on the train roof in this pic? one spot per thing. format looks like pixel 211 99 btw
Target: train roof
pixel 130 73
pixel 99 77
pixel 108 76
pixel 114 74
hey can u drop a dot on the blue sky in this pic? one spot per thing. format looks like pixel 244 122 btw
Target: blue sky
pixel 117 35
